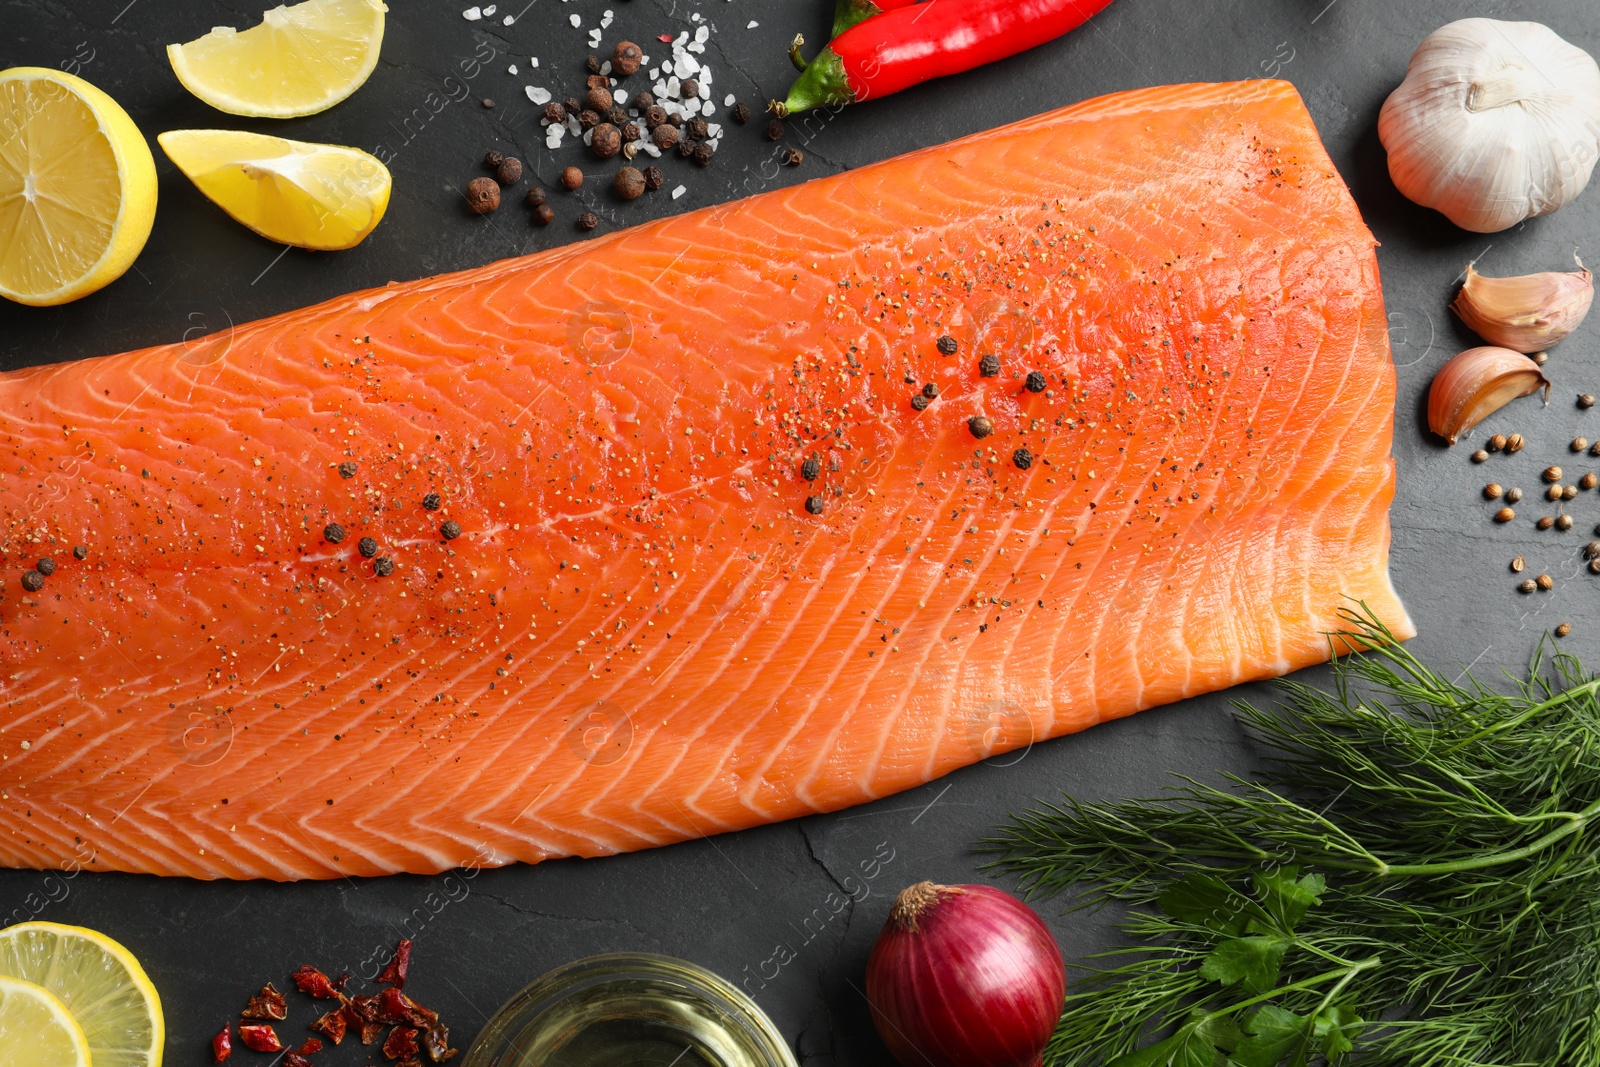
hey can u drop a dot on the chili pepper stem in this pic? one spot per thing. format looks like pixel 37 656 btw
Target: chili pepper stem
pixel 795 57
pixel 822 83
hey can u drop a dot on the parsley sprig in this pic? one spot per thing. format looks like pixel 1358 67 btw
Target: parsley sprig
pixel 1414 878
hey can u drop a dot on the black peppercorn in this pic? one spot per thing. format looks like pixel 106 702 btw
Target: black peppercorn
pixel 630 132
pixel 775 130
pixel 704 154
pixel 607 140
pixel 32 581
pixel 697 128
pixel 989 366
pixel 588 221
pixel 625 58
pixel 450 530
pixel 571 178
pixel 689 89
pixel 431 502
pixel 592 64
pixel 555 112
pixel 483 195
pixel 794 157
pixel 617 116
pixel 654 178
pixel 629 183
pixel 544 214
pixel 588 120
pixel 80 552
pixel 368 547
pixel 333 533
pixel 980 426
pixel 347 469
pixel 383 566
pixel 1022 458
pixel 810 469
pixel 1035 382
pixel 740 113
pixel 814 505
pixel 919 402
pixel 573 105
pixel 46 566
pixel 931 390
pixel 493 158
pixel 947 345
pixel 665 135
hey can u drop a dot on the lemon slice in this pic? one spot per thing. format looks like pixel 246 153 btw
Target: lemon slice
pixel 101 985
pixel 299 61
pixel 36 1030
pixel 312 195
pixel 77 187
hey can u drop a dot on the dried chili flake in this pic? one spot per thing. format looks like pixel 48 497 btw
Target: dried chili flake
pixel 332 1025
pixel 294 1059
pixel 310 980
pixel 342 983
pixel 395 973
pixel 222 1044
pixel 437 1043
pixel 370 1032
pixel 309 1047
pixel 402 1043
pixel 267 1004
pixel 362 1009
pixel 261 1038
pixel 409 1062
pixel 395 1007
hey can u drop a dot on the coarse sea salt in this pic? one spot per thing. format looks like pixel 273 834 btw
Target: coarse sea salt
pixel 679 191
pixel 472 14
pixel 538 94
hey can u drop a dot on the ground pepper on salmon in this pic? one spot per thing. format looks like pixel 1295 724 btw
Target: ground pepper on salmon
pixel 637 628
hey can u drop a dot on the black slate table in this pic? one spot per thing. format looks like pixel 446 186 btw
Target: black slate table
pixel 759 906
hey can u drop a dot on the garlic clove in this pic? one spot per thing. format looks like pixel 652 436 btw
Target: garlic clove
pixel 1528 313
pixel 1495 122
pixel 1477 383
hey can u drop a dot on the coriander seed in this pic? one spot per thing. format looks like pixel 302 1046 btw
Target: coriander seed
pixel 1545 582
pixel 1552 474
pixel 1504 515
pixel 1517 564
pixel 1480 456
pixel 1492 491
pixel 1514 443
pixel 1579 444
pixel 1545 522
pixel 1564 629
pixel 1586 400
pixel 1513 495
pixel 1497 442
pixel 1527 585
pixel 1563 523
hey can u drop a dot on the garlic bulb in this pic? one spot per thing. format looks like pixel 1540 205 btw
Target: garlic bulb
pixel 1495 122
pixel 1525 314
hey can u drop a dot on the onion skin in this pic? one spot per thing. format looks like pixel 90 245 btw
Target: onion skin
pixel 965 976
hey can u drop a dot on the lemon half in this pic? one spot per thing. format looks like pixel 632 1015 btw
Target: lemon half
pixel 318 196
pixel 77 187
pixel 299 61
pixel 36 1030
pixel 101 985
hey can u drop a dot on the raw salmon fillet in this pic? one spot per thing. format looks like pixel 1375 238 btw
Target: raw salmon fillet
pixel 639 632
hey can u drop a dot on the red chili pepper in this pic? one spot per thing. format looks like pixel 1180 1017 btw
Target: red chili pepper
pixel 898 49
pixel 848 13
pixel 402 1043
pixel 395 973
pixel 222 1044
pixel 262 1038
pixel 332 1025
pixel 310 1047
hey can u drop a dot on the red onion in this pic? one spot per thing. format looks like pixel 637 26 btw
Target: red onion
pixel 965 976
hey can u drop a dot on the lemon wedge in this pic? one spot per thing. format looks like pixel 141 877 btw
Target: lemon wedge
pixel 36 1030
pixel 101 985
pixel 299 61
pixel 77 187
pixel 317 196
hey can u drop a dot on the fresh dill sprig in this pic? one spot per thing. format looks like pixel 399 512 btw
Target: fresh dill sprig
pixel 1415 875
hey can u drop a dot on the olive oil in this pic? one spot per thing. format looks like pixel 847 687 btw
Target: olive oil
pixel 629 1010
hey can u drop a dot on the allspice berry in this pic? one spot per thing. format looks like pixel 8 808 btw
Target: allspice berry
pixel 654 116
pixel 665 135
pixel 544 214
pixel 598 99
pixel 629 183
pixel 625 59
pixel 607 140
pixel 483 195
pixel 571 178
pixel 689 89
pixel 536 196
pixel 644 100
pixel 509 172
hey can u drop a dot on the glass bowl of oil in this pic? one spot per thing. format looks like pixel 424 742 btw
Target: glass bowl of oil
pixel 629 1010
